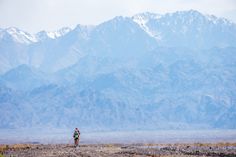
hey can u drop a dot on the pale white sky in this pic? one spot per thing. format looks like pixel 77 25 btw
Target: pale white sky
pixel 36 15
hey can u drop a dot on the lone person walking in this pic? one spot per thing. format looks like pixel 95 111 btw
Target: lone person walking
pixel 76 136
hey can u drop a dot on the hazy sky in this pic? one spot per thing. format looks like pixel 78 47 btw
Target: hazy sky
pixel 36 15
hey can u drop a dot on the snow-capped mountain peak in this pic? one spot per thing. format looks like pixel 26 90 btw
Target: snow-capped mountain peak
pixel 179 22
pixel 59 33
pixel 52 34
pixel 18 35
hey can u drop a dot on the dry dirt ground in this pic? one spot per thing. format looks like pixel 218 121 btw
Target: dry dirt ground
pixel 116 150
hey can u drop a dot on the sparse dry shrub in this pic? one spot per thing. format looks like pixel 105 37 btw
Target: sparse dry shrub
pixel 20 146
pixel 3 148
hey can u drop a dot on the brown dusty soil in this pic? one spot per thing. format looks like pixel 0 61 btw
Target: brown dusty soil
pixel 116 150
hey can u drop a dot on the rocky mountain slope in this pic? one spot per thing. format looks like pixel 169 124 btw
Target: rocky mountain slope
pixel 149 71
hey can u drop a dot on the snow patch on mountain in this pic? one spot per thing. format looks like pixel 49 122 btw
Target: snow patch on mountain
pixel 52 34
pixel 142 20
pixel 58 33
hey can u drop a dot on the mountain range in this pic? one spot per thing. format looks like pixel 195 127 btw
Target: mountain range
pixel 145 72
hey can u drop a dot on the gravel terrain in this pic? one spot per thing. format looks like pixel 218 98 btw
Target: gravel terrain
pixel 116 150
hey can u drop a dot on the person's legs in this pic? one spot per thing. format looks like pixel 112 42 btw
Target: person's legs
pixel 76 142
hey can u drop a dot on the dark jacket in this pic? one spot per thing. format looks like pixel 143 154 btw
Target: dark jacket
pixel 76 134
